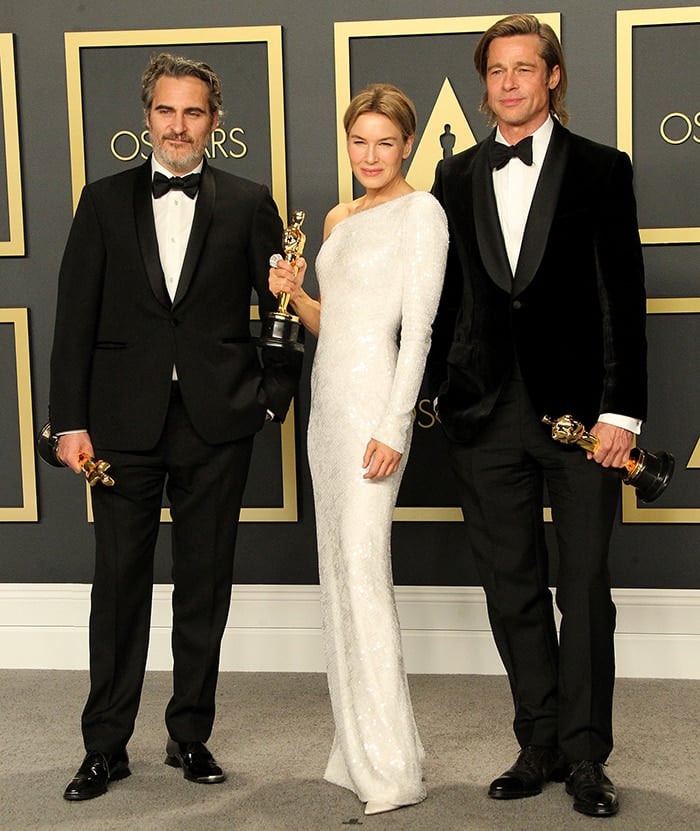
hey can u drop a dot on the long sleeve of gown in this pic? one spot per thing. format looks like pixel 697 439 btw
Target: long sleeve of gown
pixel 424 252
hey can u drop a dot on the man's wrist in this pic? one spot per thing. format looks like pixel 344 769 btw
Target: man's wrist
pixel 634 425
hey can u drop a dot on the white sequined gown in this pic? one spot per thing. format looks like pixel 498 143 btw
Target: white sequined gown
pixel 380 273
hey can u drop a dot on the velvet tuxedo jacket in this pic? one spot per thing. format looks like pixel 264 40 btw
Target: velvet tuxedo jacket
pixel 118 335
pixel 573 313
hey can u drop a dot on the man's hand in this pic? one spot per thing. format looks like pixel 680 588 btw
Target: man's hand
pixel 615 445
pixel 71 446
pixel 380 460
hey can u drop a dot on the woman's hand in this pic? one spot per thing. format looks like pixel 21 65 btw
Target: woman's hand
pixel 284 277
pixel 380 460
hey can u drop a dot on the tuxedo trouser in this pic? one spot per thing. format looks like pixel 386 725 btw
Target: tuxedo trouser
pixel 562 688
pixel 204 484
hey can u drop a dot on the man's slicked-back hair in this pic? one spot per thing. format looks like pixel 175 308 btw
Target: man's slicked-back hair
pixel 175 66
pixel 550 51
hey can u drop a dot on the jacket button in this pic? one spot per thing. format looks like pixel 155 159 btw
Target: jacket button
pixel 517 304
pixel 174 322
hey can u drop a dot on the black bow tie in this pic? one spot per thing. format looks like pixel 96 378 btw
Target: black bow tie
pixel 501 154
pixel 189 184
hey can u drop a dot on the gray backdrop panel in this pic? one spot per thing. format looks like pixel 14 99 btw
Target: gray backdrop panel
pixel 58 548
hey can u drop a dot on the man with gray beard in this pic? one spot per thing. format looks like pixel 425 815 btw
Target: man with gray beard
pixel 153 368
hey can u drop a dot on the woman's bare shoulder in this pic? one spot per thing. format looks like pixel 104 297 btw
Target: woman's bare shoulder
pixel 336 215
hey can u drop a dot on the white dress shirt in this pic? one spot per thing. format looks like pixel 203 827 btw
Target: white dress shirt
pixel 514 186
pixel 173 214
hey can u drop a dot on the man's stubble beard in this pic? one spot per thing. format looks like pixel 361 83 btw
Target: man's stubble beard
pixel 177 162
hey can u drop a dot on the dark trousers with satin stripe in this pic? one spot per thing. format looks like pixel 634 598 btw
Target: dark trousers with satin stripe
pixel 562 687
pixel 205 486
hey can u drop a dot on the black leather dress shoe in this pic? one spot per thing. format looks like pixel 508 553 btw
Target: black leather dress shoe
pixel 197 763
pixel 95 773
pixel 594 794
pixel 534 766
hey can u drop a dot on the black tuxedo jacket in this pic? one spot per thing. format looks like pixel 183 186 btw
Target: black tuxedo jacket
pixel 118 335
pixel 574 312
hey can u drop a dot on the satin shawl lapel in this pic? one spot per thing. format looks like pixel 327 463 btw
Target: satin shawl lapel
pixel 200 225
pixel 544 203
pixel 488 226
pixel 146 231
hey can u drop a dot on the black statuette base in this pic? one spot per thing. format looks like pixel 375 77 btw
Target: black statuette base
pixel 282 330
pixel 47 444
pixel 652 474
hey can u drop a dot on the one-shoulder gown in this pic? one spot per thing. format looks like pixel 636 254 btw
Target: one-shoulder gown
pixel 380 274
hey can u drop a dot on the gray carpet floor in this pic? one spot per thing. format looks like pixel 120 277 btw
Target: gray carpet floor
pixel 273 734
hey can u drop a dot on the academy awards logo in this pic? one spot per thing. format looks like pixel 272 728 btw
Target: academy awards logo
pixel 447 132
pixel 678 128
pixel 424 415
pixel 126 145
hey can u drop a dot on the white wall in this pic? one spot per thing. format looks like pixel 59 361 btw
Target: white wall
pixel 277 629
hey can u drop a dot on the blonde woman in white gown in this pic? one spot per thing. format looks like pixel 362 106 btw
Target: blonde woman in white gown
pixel 380 272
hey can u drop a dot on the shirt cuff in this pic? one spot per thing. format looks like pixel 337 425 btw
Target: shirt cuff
pixel 634 425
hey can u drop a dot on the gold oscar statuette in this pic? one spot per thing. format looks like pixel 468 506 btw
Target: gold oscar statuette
pixel 95 470
pixel 648 473
pixel 281 328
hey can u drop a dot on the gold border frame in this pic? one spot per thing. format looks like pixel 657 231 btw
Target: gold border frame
pixel 345 31
pixel 441 515
pixel 14 246
pixel 28 511
pixel 272 36
pixel 631 512
pixel 626 21
pixel 288 511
